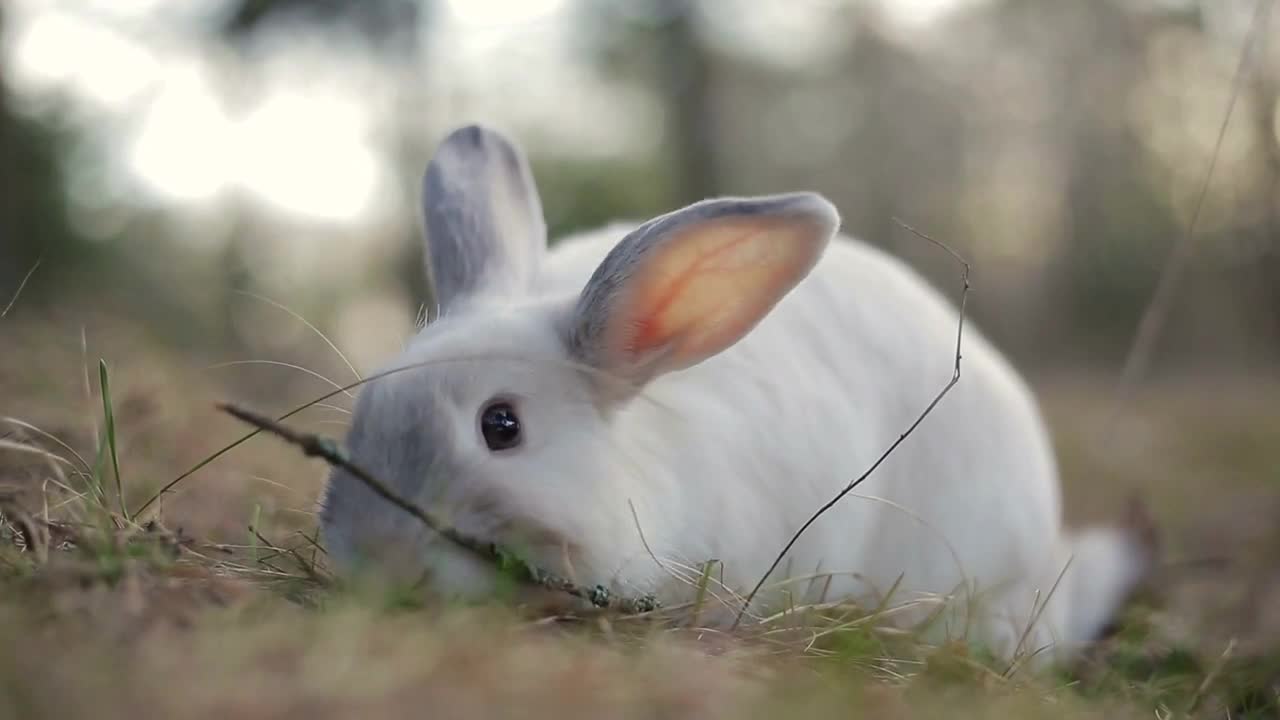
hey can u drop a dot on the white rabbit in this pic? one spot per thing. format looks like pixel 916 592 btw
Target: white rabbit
pixel 724 370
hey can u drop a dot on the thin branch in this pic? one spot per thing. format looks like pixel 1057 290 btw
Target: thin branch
pixel 317 446
pixel 1211 677
pixel 310 569
pixel 46 434
pixel 278 363
pixel 314 543
pixel 1037 609
pixel 21 285
pixel 665 567
pixel 955 378
pixel 1158 307
pixel 88 388
pixel 345 389
pixel 304 321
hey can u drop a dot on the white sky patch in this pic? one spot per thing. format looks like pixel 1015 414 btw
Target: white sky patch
pixel 488 14
pixel 126 8
pixel 919 13
pixel 307 154
pixel 309 149
pixel 183 148
pixel 515 64
pixel 96 62
pixel 794 33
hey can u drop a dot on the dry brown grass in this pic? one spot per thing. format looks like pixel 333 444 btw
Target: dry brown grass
pixel 198 617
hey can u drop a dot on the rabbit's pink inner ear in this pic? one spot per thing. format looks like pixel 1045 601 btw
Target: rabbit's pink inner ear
pixel 710 284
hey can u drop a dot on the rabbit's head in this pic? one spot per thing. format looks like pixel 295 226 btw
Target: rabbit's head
pixel 501 417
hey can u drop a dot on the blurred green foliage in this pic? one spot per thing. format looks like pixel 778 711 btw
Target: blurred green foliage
pixel 1057 145
pixel 34 220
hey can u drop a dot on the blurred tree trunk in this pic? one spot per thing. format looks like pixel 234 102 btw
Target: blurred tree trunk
pixel 1120 223
pixel 33 201
pixel 1267 97
pixel 237 275
pixel 684 69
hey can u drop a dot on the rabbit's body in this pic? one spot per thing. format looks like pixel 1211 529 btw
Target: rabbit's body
pixel 724 454
pixel 840 368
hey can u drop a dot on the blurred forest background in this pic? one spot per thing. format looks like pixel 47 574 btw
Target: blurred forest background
pixel 182 172
pixel 161 155
pixel 181 181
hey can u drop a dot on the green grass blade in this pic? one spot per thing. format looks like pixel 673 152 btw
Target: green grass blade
pixel 109 421
pixel 701 597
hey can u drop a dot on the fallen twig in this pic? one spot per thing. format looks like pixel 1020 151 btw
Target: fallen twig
pixel 1210 678
pixel 955 378
pixel 310 569
pixel 326 449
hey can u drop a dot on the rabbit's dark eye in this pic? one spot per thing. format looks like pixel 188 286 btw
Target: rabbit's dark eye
pixel 500 426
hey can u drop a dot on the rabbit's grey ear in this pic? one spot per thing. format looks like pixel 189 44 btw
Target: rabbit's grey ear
pixel 483 219
pixel 690 284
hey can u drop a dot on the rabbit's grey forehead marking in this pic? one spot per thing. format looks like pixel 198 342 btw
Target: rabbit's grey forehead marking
pixel 400 431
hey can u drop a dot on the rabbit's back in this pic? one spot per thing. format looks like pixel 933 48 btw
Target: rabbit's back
pixel 777 424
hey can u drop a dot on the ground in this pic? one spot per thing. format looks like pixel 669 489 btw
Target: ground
pixel 214 602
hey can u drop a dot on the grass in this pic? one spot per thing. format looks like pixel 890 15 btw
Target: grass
pixel 109 441
pixel 187 610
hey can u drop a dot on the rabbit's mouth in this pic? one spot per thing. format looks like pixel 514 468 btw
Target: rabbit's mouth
pixel 458 554
pixel 449 569
pixel 546 547
pixel 496 521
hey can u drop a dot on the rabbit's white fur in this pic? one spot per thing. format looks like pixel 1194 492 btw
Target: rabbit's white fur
pixel 810 398
pixel 726 459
